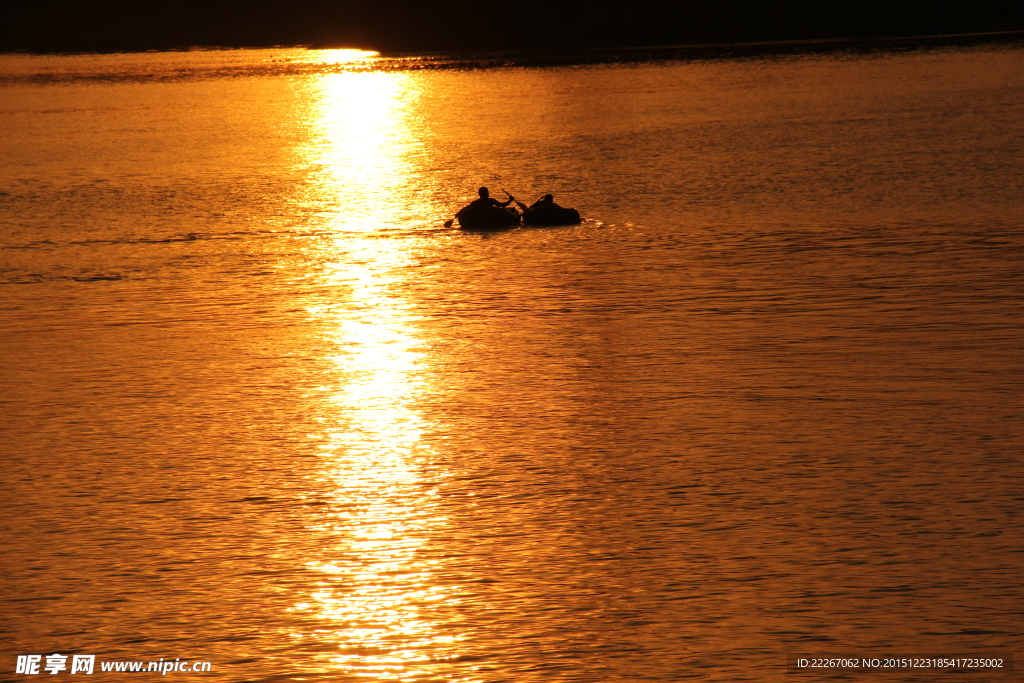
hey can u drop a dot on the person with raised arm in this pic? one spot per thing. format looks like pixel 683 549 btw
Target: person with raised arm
pixel 487 213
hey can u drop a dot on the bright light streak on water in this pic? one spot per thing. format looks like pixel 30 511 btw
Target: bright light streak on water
pixel 383 513
pixel 365 151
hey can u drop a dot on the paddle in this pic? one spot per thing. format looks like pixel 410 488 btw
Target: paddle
pixel 451 221
pixel 522 207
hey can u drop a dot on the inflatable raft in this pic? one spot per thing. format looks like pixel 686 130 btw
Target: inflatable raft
pixel 487 218
pixel 551 215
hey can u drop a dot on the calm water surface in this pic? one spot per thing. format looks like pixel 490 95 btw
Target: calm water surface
pixel 261 409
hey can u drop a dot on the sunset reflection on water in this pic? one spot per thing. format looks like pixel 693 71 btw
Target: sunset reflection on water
pixel 376 580
pixel 352 56
pixel 263 411
pixel 365 150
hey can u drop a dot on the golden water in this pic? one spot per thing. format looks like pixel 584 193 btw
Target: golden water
pixel 261 409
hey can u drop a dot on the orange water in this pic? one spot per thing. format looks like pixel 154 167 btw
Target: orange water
pixel 261 409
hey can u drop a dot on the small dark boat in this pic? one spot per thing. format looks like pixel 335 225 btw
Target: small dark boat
pixel 551 215
pixel 487 218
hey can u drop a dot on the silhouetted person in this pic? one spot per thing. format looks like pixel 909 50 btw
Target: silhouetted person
pixel 545 202
pixel 486 200
pixel 481 212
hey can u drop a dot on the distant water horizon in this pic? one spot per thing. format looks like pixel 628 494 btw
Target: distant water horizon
pixel 568 55
pixel 699 51
pixel 289 60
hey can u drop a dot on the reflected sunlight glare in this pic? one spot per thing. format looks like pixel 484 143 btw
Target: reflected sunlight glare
pixel 379 578
pixel 365 152
pixel 342 56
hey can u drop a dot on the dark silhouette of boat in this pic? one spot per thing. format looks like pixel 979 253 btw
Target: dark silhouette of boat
pixel 487 218
pixel 489 214
pixel 551 215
